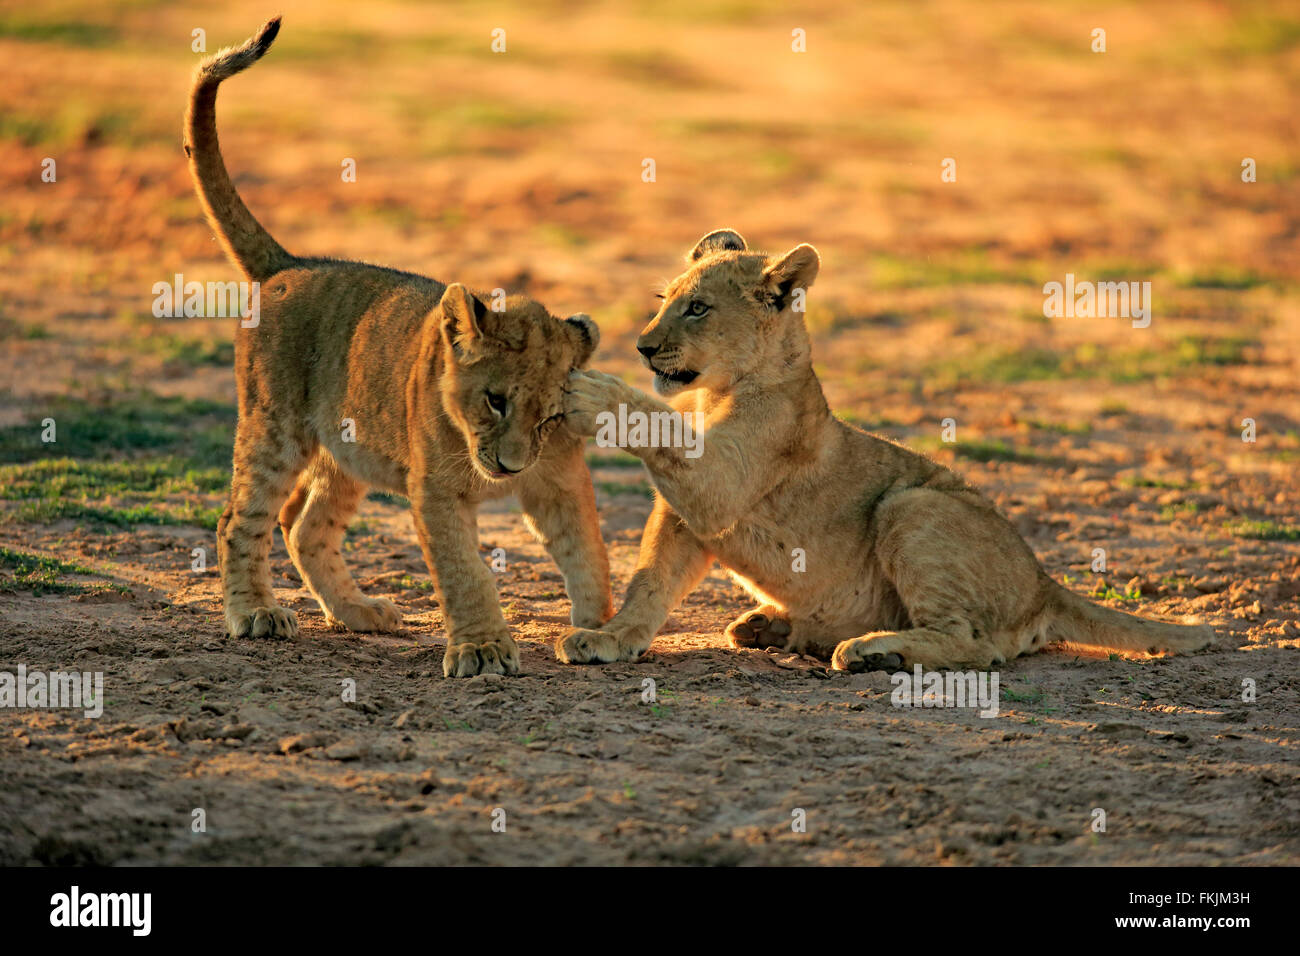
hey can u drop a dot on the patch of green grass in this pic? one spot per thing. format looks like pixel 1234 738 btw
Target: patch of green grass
pixel 559 234
pixel 1182 509
pixel 388 498
pixel 1260 34
pixel 1110 593
pixel 1008 366
pixel 66 478
pixel 67 30
pixel 73 122
pixel 1222 277
pixel 619 459
pixel 1032 696
pixel 162 513
pixel 11 329
pixel 1061 428
pixel 186 351
pixel 408 583
pixel 970 267
pixel 198 432
pixel 625 488
pixel 175 450
pixel 1264 530
pixel 40 575
pixel 994 451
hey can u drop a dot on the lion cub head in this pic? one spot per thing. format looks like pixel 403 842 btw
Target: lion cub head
pixel 732 314
pixel 504 375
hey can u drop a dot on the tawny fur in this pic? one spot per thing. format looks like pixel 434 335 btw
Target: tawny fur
pixel 902 562
pixel 452 404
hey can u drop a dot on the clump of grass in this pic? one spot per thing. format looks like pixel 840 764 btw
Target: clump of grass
pixel 1264 530
pixel 1133 481
pixel 1108 592
pixel 198 432
pixel 160 513
pixel 1182 509
pixel 1061 428
pixel 1008 366
pixel 1031 696
pixel 70 31
pixel 625 488
pixel 12 329
pixel 1222 277
pixel 617 460
pixel 176 449
pixel 41 575
pixel 388 498
pixel 408 583
pixel 66 477
pixel 187 351
pixel 985 451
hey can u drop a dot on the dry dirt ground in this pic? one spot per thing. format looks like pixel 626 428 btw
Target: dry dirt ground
pixel 523 169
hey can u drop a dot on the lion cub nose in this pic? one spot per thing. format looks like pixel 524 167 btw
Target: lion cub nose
pixel 647 350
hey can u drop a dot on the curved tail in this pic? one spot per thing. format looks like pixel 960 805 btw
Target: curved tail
pixel 246 243
pixel 1079 621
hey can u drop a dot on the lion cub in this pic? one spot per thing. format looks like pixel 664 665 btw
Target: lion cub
pixel 355 376
pixel 855 548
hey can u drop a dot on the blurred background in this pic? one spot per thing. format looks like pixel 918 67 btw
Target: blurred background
pixel 523 169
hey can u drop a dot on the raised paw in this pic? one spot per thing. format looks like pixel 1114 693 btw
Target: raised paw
pixel 278 622
pixel 586 646
pixel 761 628
pixel 860 655
pixel 497 655
pixel 367 615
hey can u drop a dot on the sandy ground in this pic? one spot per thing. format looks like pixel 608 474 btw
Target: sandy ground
pixel 1088 434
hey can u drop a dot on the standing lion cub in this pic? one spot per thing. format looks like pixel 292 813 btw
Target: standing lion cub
pixel 902 562
pixel 356 375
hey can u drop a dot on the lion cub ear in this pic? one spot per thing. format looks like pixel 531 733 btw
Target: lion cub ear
pixel 719 240
pixel 462 320
pixel 586 336
pixel 795 270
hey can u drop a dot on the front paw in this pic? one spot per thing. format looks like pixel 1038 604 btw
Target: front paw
pixel 272 621
pixel 496 655
pixel 589 646
pixel 588 396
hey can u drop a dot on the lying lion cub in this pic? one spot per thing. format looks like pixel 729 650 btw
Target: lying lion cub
pixel 354 375
pixel 856 549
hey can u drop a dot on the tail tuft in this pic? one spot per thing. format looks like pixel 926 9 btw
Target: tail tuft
pixel 235 59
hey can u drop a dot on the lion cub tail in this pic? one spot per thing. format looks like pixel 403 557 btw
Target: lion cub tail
pixel 1079 621
pixel 246 243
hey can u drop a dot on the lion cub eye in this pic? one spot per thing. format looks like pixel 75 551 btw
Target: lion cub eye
pixel 697 308
pixel 497 403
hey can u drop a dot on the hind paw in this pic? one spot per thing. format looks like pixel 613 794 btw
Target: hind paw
pixel 858 655
pixel 763 627
pixel 367 615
